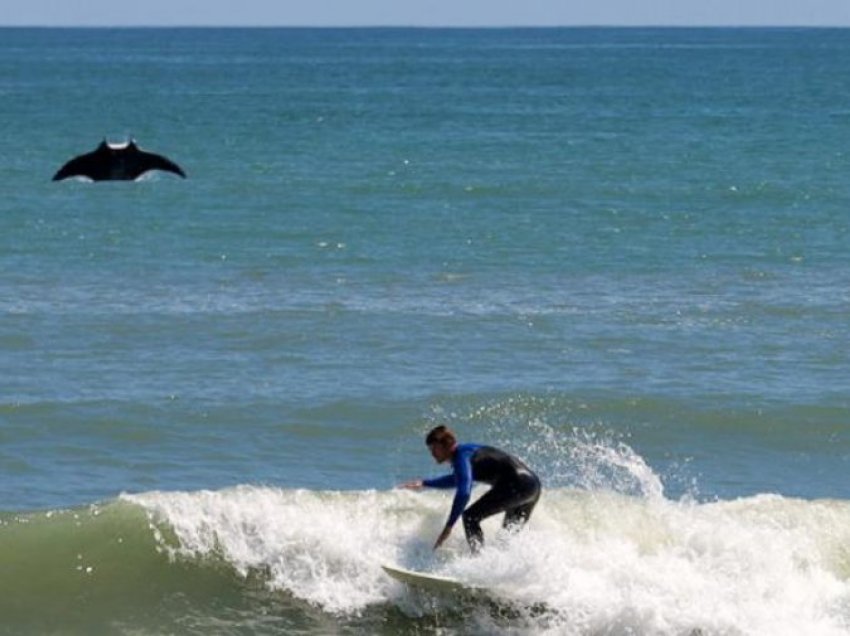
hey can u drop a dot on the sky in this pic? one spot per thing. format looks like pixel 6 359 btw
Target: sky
pixel 427 13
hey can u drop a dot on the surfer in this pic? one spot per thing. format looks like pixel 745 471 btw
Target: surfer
pixel 515 488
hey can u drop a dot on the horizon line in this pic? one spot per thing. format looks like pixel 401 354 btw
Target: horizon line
pixel 648 25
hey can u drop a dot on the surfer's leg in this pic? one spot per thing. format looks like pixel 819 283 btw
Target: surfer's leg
pixel 491 503
pixel 517 517
pixel 474 534
pixel 517 495
pixel 527 497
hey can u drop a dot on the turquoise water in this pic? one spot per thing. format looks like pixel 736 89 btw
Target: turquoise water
pixel 620 253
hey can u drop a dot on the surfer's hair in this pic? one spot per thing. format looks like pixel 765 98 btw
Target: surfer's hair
pixel 441 435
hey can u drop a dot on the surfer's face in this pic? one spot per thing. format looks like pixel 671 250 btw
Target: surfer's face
pixel 440 452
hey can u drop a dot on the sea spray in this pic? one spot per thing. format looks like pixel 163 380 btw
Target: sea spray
pixel 543 430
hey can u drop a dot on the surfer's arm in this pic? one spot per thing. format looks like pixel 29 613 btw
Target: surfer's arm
pixel 463 480
pixel 443 536
pixel 462 477
pixel 446 481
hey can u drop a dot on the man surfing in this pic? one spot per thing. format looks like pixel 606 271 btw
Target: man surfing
pixel 515 488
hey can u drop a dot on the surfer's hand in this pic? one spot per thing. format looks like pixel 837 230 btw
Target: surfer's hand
pixel 416 484
pixel 443 536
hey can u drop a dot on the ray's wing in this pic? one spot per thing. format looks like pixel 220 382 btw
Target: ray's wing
pixel 150 161
pixel 87 165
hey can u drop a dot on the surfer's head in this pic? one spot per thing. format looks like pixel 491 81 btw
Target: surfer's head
pixel 441 442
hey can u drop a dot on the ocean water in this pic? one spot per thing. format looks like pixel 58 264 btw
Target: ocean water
pixel 620 254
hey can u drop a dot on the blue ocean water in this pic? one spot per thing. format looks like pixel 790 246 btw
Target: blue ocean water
pixel 620 253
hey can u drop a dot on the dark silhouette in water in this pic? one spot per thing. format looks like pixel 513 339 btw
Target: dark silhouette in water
pixel 120 162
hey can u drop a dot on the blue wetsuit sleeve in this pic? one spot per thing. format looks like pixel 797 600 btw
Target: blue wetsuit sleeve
pixel 446 481
pixel 462 464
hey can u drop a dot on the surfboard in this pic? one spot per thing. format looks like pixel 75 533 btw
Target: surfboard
pixel 431 582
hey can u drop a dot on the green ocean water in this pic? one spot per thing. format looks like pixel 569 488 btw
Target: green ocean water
pixel 621 253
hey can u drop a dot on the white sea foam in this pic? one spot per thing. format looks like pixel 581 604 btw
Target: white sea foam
pixel 590 562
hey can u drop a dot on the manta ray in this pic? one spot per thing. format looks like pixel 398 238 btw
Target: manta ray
pixel 116 162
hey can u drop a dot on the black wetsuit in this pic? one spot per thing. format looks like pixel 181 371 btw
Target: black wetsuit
pixel 515 490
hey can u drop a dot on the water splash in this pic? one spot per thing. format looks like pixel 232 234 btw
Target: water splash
pixel 538 429
pixel 589 562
